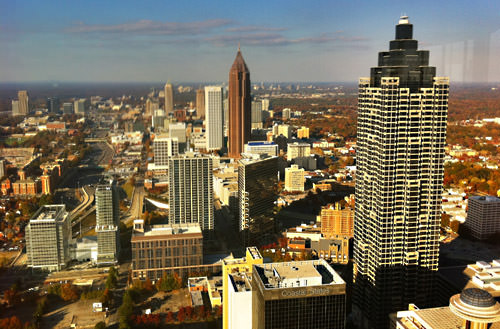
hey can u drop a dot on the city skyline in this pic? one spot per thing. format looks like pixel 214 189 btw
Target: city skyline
pixel 194 41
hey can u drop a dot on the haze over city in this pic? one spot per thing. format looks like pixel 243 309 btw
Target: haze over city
pixel 250 165
pixel 192 41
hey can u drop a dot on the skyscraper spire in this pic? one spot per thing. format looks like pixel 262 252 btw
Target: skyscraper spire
pixel 240 111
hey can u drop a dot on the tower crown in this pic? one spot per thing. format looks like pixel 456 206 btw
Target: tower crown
pixel 239 63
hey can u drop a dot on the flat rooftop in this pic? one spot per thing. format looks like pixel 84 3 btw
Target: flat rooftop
pixel 485 198
pixel 241 282
pixel 50 212
pixel 309 273
pixel 173 230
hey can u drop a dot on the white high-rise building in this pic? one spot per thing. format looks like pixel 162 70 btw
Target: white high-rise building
pixel 190 190
pixel 15 108
pixel 402 118
pixel 107 219
pixel 294 179
pixel 214 118
pixel 164 148
pixel 48 236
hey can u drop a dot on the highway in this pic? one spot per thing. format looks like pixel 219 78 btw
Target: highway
pixel 137 205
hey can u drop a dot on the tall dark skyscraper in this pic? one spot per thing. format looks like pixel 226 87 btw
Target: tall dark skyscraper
pixel 240 106
pixel 53 104
pixel 402 117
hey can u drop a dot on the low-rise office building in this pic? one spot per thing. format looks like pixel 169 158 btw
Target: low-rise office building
pixel 483 217
pixel 166 249
pixel 301 294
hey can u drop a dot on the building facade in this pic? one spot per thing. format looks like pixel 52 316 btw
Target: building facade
pixel 402 119
pixel 214 122
pixel 294 179
pixel 240 107
pixel 269 148
pixel 166 249
pixel 164 148
pixel 336 220
pixel 190 190
pixel 301 294
pixel 48 236
pixel 298 150
pixel 22 96
pixel 200 103
pixel 257 180
pixel 256 114
pixel 237 289
pixel 169 98
pixel 483 217
pixel 107 219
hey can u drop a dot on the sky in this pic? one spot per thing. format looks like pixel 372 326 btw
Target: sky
pixel 196 41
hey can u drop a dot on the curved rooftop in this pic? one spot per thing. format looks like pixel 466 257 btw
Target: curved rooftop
pixel 477 297
pixel 475 305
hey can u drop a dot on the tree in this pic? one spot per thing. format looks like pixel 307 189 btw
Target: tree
pixel 100 325
pixel 125 311
pixel 169 318
pixel 189 312
pixel 148 285
pixel 107 297
pixel 112 278
pixel 69 292
pixel 11 296
pixel 181 315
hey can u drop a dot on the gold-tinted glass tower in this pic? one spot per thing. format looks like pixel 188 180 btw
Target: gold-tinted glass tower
pixel 240 106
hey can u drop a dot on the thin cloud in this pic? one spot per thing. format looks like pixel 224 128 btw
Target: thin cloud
pixel 255 28
pixel 148 27
pixel 276 39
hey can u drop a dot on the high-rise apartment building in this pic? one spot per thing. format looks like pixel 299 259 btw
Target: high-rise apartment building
pixel 190 190
pixel 294 179
pixel 81 106
pixel 257 179
pixel 240 107
pixel 265 104
pixel 164 148
pixel 483 216
pixel 15 107
pixel 22 96
pixel 48 236
pixel 303 132
pixel 298 150
pixel 107 220
pixel 402 117
pixel 214 122
pixel 256 114
pixel 169 98
pixel 336 221
pixel 301 294
pixel 200 103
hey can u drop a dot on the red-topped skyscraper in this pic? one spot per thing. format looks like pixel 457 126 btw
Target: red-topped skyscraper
pixel 240 106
